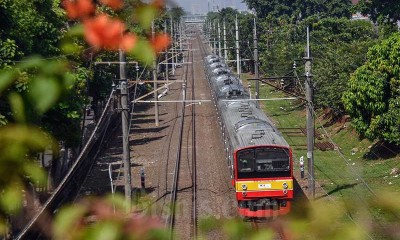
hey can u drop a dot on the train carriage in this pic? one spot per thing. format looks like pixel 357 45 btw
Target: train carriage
pixel 259 158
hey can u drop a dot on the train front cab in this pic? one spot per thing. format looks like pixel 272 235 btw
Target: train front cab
pixel 263 180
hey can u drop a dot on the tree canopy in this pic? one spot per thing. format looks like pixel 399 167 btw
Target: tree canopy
pixel 373 94
pixel 383 11
pixel 298 9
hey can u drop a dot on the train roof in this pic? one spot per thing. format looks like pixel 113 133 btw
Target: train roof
pixel 212 59
pixel 208 57
pixel 224 77
pixel 248 125
pixel 217 65
pixel 220 71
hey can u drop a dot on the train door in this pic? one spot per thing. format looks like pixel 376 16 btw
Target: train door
pixel 230 160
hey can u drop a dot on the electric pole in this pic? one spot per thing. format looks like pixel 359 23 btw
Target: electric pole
pixel 214 39
pixel 310 119
pixel 166 55
pixel 173 47
pixel 225 48
pixel 125 128
pixel 180 40
pixel 256 73
pixel 209 34
pixel 180 37
pixel 155 79
pixel 219 41
pixel 237 48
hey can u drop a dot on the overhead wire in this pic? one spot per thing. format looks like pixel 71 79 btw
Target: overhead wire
pixel 327 194
pixel 326 133
pixel 47 58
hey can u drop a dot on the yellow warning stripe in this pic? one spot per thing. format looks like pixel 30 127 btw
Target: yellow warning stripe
pixel 263 185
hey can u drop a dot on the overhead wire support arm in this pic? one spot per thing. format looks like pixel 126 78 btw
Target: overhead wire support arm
pixel 116 62
pixel 274 78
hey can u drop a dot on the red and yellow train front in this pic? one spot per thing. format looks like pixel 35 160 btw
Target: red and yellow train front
pixel 263 181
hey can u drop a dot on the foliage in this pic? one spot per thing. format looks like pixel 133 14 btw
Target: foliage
pixel 373 95
pixel 63 121
pixel 45 91
pixel 29 27
pixel 338 46
pixel 299 9
pixel 105 219
pixel 176 13
pixel 321 219
pixel 281 43
pixel 381 11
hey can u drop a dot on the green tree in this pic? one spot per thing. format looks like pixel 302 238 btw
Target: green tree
pixel 37 27
pixel 296 9
pixel 382 11
pixel 176 13
pixel 33 26
pixel 373 94
pixel 339 47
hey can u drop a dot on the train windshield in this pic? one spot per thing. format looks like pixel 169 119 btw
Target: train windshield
pixel 263 163
pixel 246 161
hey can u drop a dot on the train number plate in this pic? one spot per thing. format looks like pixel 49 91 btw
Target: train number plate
pixel 264 185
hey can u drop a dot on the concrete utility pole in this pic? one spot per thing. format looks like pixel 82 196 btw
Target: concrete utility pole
pixel 310 119
pixel 180 37
pixel 155 79
pixel 237 47
pixel 209 34
pixel 166 55
pixel 125 128
pixel 179 33
pixel 225 47
pixel 219 41
pixel 173 47
pixel 214 39
pixel 256 73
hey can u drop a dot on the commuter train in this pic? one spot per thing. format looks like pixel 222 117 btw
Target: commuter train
pixel 259 158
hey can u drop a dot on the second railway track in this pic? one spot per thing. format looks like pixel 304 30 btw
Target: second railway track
pixel 182 219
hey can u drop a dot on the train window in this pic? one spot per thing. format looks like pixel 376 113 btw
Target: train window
pixel 272 159
pixel 246 161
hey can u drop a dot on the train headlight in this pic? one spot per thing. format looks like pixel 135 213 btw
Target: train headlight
pixel 244 186
pixel 284 191
pixel 285 185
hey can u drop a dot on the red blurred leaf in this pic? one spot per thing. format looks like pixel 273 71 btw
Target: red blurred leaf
pixel 78 8
pixel 128 42
pixel 105 32
pixel 114 4
pixel 160 42
pixel 158 3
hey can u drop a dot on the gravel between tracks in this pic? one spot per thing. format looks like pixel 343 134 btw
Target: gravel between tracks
pixel 151 147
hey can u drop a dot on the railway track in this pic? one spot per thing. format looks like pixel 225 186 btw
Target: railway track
pixel 276 226
pixel 181 201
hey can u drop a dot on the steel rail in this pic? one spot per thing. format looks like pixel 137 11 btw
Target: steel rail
pixel 194 171
pixel 171 217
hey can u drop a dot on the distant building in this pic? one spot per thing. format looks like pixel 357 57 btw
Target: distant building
pixel 359 16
